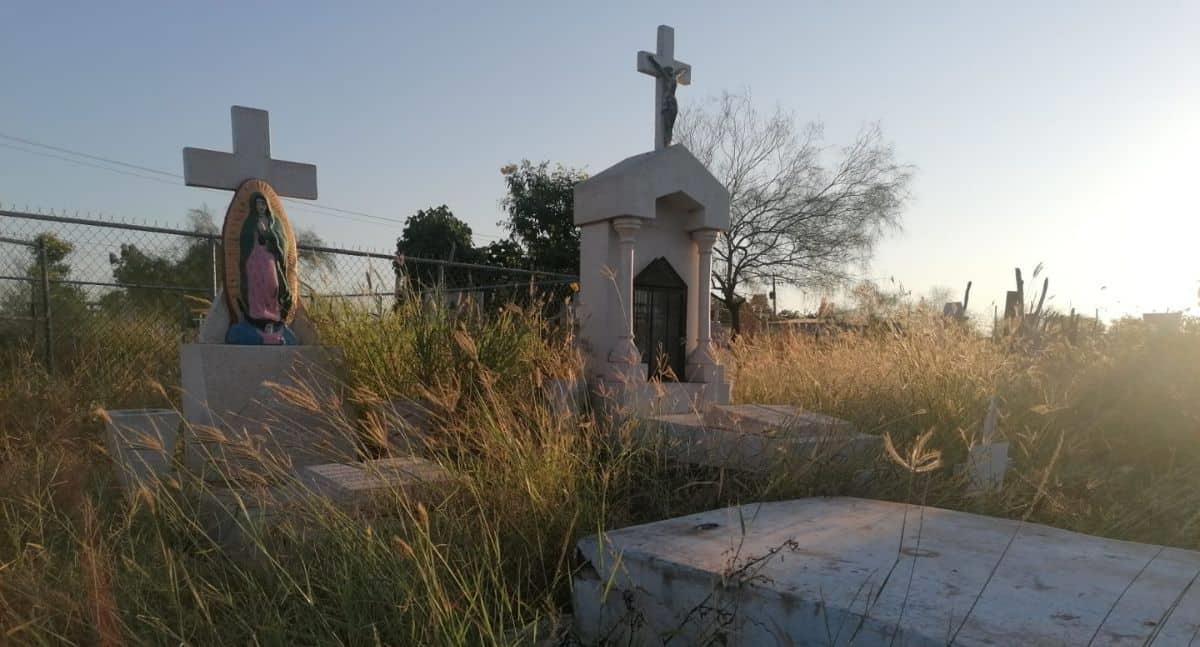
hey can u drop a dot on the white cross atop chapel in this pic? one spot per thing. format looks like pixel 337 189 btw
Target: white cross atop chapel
pixel 250 160
pixel 662 65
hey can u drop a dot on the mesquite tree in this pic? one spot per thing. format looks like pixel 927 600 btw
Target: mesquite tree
pixel 800 211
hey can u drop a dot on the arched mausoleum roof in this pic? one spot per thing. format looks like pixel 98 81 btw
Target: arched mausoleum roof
pixel 635 186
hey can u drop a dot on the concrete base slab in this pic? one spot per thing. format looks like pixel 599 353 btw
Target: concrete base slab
pixel 232 514
pixel 847 571
pixel 351 481
pixel 622 400
pixel 141 443
pixel 239 418
pixel 756 437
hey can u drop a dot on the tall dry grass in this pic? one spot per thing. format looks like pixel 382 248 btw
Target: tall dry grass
pixel 1104 440
pixel 1110 425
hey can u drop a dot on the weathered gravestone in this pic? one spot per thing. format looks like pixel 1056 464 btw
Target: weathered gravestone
pixel 262 401
pixel 845 571
pixel 257 393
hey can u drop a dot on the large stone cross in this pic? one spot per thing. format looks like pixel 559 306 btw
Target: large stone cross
pixel 657 64
pixel 250 160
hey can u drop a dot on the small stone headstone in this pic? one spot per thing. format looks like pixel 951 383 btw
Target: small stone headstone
pixel 987 460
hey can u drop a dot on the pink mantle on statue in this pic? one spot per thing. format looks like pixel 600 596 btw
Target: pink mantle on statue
pixel 262 290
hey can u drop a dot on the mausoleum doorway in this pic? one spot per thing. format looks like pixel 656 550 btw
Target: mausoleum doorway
pixel 660 320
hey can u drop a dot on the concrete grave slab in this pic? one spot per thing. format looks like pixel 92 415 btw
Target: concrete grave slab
pixel 230 514
pixel 755 437
pixel 141 443
pixel 345 481
pixel 846 571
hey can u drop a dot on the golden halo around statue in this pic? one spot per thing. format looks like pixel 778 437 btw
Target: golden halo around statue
pixel 234 236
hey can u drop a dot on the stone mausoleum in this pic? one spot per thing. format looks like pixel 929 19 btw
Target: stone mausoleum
pixel 648 225
pixel 647 228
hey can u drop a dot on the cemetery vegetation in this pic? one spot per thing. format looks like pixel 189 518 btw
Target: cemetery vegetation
pixel 1103 432
pixel 800 212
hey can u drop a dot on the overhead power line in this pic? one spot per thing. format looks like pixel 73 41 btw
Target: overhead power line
pixel 83 163
pixel 333 211
pixel 30 142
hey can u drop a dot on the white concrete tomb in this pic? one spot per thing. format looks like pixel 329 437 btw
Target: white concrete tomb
pixel 648 225
pixel 847 571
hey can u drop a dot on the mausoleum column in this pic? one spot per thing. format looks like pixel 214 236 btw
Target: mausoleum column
pixel 625 350
pixel 702 356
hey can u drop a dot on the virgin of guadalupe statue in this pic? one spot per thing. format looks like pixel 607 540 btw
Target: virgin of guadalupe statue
pixel 265 298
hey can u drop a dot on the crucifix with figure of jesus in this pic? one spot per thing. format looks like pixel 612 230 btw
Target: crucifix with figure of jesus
pixel 668 74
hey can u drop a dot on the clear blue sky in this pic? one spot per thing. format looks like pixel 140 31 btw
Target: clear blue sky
pixel 1063 133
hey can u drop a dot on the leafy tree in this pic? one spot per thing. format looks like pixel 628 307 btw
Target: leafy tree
pixel 202 222
pixel 541 205
pixel 68 303
pixel 64 298
pixel 434 234
pixel 310 259
pixel 799 212
pixel 504 253
pixel 189 265
pixel 186 266
pixel 57 251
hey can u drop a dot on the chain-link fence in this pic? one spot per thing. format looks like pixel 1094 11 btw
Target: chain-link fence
pixel 78 290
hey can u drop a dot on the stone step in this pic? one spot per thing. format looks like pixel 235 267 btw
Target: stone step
pixel 844 571
pixel 640 399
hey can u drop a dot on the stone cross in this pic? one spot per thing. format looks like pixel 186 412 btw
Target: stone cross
pixel 250 160
pixel 655 64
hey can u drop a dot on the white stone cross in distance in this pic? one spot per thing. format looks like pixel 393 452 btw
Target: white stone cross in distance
pixel 665 58
pixel 250 160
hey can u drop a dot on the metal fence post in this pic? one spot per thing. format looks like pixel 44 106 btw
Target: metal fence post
pixel 33 318
pixel 212 254
pixel 47 327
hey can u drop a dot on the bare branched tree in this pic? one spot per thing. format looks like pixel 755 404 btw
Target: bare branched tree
pixel 799 211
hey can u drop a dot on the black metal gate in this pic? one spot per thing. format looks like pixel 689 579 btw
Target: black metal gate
pixel 660 319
